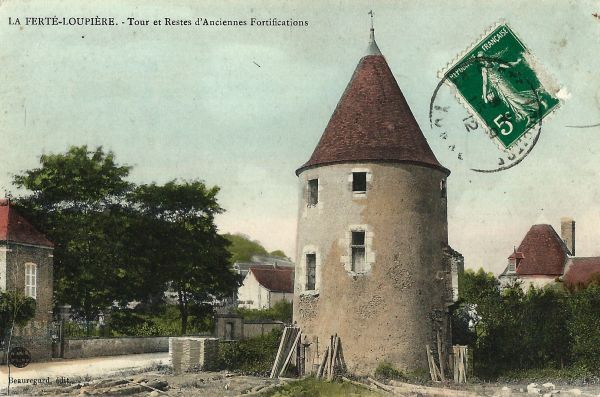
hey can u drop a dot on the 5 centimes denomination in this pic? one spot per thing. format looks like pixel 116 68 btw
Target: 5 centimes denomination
pixel 504 90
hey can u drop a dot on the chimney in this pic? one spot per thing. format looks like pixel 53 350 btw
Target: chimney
pixel 567 233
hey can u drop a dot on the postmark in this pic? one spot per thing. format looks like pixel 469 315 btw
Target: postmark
pixel 19 357
pixel 505 92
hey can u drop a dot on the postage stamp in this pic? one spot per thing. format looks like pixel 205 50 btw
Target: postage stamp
pixel 502 86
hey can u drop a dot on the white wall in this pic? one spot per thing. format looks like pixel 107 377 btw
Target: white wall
pixel 252 295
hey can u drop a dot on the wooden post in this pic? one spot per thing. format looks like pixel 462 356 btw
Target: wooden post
pixel 323 364
pixel 456 354
pixel 334 355
pixel 440 356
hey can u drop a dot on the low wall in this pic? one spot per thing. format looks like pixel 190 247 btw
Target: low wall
pixel 95 347
pixel 257 328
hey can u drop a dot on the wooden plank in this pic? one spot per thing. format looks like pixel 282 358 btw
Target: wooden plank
pixel 289 356
pixel 278 356
pixel 431 370
pixel 440 356
pixel 456 353
pixel 334 355
pixel 322 365
pixel 380 385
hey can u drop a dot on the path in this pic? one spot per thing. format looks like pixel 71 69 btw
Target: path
pixel 96 367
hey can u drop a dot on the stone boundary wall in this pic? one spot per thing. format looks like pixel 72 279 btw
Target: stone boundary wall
pixel 95 347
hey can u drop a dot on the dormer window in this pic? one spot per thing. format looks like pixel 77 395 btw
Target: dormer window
pixel 359 182
pixel 511 267
pixel 313 192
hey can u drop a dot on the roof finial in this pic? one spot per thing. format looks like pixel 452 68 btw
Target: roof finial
pixel 373 49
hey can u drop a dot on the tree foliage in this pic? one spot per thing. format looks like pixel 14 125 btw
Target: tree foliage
pixel 14 308
pixel 280 311
pixel 118 242
pixel 242 248
pixel 77 200
pixel 192 256
pixel 510 329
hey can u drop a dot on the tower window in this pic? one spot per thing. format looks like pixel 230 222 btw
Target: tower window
pixel 311 271
pixel 31 280
pixel 358 251
pixel 313 192
pixel 443 188
pixel 359 181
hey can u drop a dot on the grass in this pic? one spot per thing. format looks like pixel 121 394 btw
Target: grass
pixel 311 387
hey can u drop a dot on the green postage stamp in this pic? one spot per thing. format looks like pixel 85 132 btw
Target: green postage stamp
pixel 501 84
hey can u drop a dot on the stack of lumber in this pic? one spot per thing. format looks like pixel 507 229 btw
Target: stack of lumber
pixel 332 363
pixel 289 342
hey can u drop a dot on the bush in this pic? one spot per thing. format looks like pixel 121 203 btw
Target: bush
pixel 386 370
pixel 542 329
pixel 281 311
pixel 585 327
pixel 164 321
pixel 253 356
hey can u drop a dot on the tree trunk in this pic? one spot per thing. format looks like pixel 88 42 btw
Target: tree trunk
pixel 183 311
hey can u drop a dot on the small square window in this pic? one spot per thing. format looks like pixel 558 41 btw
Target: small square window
pixel 359 181
pixel 313 192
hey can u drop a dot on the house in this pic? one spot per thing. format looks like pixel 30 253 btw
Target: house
pixel 372 260
pixel 242 268
pixel 544 257
pixel 266 285
pixel 26 265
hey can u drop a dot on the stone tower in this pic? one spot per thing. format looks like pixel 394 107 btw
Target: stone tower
pixel 372 230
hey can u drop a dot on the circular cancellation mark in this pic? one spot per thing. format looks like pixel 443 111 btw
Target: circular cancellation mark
pixel 19 357
pixel 462 129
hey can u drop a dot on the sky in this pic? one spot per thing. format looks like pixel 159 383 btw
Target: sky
pixel 242 107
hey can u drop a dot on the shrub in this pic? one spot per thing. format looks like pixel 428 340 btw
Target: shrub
pixel 386 370
pixel 282 311
pixel 548 329
pixel 252 356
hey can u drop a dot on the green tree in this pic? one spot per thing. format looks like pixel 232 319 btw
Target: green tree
pixel 279 254
pixel 16 309
pixel 242 248
pixel 585 326
pixel 77 199
pixel 184 244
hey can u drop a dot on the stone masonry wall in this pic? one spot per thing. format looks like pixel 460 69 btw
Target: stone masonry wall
pixel 96 347
pixel 36 336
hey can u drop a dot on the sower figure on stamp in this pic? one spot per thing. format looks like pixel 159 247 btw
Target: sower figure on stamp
pixel 522 103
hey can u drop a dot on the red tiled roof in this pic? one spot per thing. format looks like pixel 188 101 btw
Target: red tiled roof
pixel 516 255
pixel 544 253
pixel 581 270
pixel 274 279
pixel 15 228
pixel 372 122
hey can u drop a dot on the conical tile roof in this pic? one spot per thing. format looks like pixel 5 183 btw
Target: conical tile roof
pixel 372 122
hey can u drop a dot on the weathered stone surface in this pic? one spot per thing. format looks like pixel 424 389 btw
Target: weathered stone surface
pixel 391 312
